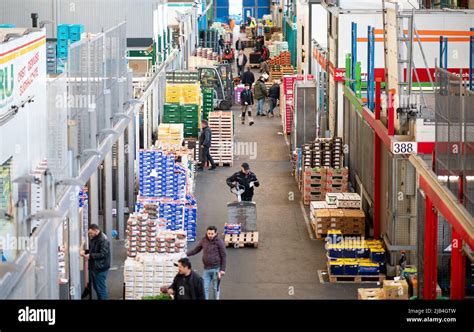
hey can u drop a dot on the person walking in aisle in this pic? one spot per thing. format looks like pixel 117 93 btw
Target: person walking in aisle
pixel 99 260
pixel 265 68
pixel 273 97
pixel 241 62
pixel 239 45
pixel 214 258
pixel 205 140
pixel 248 77
pixel 221 44
pixel 260 94
pixel 246 179
pixel 187 285
pixel 246 99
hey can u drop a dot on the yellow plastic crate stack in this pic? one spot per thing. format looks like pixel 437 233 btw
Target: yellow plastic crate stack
pixel 173 93
pixel 191 93
pixel 183 93
pixel 170 134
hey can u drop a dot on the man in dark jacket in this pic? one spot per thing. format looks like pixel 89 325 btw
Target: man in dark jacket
pixel 99 260
pixel 246 99
pixel 214 258
pixel 248 77
pixel 205 144
pixel 239 45
pixel 221 44
pixel 241 62
pixel 273 96
pixel 187 285
pixel 244 178
pixel 260 94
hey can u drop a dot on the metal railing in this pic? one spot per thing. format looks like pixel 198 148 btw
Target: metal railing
pixel 454 151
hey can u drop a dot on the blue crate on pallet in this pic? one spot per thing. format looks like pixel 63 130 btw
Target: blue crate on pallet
pixel 369 269
pixel 349 252
pixel 336 268
pixel 351 268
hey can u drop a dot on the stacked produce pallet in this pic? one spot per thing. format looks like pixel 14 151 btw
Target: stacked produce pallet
pixel 318 181
pixel 323 152
pixel 354 260
pixel 282 58
pixel 222 145
pixel 343 214
pixel 286 100
pixel 171 133
pixel 278 71
pixel 207 102
pixel 186 114
pixel 146 274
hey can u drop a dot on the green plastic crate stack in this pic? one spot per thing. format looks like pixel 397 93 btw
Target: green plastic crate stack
pixel 185 114
pixel 207 102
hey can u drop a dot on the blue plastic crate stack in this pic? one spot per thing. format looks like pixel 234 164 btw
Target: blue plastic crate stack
pixel 232 229
pixel 67 34
pixel 84 204
pixel 164 182
pixel 160 175
pixel 354 256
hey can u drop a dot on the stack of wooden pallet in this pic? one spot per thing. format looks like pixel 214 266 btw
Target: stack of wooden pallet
pixel 222 147
pixel 244 239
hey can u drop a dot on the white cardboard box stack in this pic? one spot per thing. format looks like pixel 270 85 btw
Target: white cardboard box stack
pixel 147 273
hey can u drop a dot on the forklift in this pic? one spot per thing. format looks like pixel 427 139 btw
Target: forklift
pixel 219 78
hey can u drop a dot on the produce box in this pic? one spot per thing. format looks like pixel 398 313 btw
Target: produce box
pixel 395 289
pixel 370 294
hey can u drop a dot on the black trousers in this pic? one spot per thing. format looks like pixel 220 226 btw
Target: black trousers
pixel 247 198
pixel 206 156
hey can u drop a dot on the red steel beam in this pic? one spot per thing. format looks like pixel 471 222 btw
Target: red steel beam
pixel 430 251
pixel 458 274
pixel 377 162
pixel 446 210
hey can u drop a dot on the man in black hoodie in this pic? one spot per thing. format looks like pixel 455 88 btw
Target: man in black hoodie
pixel 187 285
pixel 248 77
pixel 244 178
pixel 99 260
pixel 205 140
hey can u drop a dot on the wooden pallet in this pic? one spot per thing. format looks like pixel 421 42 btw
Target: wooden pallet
pixel 225 163
pixel 254 65
pixel 244 239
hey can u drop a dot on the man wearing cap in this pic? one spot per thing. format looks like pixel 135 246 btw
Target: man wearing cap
pixel 187 285
pixel 245 178
pixel 205 144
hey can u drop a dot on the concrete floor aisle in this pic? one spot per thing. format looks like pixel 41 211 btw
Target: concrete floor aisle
pixel 285 265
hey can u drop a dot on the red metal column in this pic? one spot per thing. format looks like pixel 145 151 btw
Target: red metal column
pixel 458 266
pixel 430 252
pixel 377 162
pixel 391 113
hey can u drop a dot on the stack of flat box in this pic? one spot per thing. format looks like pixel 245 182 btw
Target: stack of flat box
pixel 171 133
pixel 147 273
pixel 321 180
pixel 282 56
pixel 222 146
pixel 337 180
pixel 348 221
pixel 327 152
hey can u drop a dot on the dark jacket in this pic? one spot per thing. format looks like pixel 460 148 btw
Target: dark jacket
pixel 99 250
pixel 274 91
pixel 246 96
pixel 214 255
pixel 239 45
pixel 237 60
pixel 244 180
pixel 188 288
pixel 260 90
pixel 221 42
pixel 205 137
pixel 247 78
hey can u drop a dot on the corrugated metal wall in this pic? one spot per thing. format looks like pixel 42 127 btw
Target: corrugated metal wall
pixel 96 15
